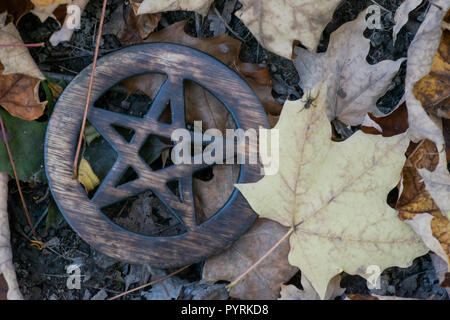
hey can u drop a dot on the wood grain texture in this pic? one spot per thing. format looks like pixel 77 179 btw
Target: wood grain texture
pixel 179 63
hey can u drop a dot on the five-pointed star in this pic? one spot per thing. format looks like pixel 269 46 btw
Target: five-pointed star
pixel 128 154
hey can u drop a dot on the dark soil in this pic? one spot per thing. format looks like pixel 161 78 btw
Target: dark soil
pixel 42 275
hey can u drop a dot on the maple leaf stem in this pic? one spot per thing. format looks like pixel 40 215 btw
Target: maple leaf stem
pixel 88 98
pixel 150 283
pixel 22 199
pixel 28 45
pixel 276 245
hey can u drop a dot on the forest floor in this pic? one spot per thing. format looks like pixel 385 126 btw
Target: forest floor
pixel 42 274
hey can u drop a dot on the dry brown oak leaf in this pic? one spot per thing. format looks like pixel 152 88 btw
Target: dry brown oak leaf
pixel 264 282
pixel 354 84
pixel 333 197
pixel 421 55
pixel 276 24
pixel 417 207
pixel 6 264
pixel 433 89
pixel 155 6
pixel 19 78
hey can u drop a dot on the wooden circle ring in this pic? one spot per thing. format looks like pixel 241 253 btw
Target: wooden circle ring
pixel 179 63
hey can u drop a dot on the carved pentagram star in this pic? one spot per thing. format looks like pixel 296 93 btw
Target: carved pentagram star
pixel 128 154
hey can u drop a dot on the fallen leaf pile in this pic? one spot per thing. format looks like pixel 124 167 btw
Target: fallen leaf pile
pixel 329 196
pixel 334 196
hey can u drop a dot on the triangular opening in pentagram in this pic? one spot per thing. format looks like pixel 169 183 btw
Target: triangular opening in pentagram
pixel 133 96
pixel 125 132
pixel 144 214
pixel 99 154
pixel 155 152
pixel 128 175
pixel 166 115
pixel 176 188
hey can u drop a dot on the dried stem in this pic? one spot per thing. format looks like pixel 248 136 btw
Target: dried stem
pixel 28 45
pixel 88 98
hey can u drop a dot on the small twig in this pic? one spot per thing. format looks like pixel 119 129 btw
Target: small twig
pixel 232 284
pixel 198 25
pixel 17 179
pixel 43 215
pixel 150 283
pixel 44 197
pixel 28 45
pixel 88 99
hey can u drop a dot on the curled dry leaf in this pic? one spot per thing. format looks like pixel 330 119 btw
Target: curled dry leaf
pixel 19 94
pixel 291 292
pixel 16 59
pixel 19 77
pixel 421 54
pixel 276 24
pixel 224 48
pixel 44 9
pixel 390 125
pixel 66 31
pixel 333 196
pixel 264 281
pixel 155 6
pixel 401 15
pixel 86 176
pixel 434 88
pixel 16 9
pixel 6 264
pixel 417 207
pixel 437 183
pixel 354 84
pixel 130 28
pixel 46 3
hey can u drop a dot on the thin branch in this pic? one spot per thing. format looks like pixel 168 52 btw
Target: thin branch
pixel 88 99
pixel 150 283
pixel 276 245
pixel 17 179
pixel 28 45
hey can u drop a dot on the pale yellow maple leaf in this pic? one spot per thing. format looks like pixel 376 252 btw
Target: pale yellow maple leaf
pixel 333 196
pixel 277 23
pixel 154 6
